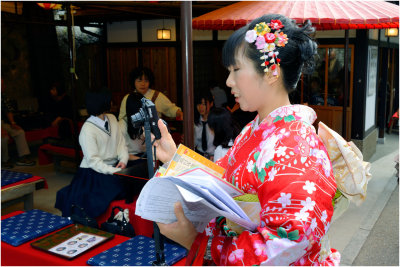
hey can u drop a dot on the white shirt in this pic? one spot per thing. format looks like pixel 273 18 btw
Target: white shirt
pixel 99 122
pixel 220 151
pixel 198 130
pixel 102 149
pixel 135 146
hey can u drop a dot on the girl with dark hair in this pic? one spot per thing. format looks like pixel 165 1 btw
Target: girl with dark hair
pixel 277 158
pixel 133 136
pixel 203 136
pixel 142 79
pixel 104 153
pixel 225 131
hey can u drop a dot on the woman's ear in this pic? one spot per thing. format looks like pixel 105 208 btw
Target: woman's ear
pixel 272 76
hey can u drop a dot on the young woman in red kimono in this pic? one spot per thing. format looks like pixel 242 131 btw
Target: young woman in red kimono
pixel 278 156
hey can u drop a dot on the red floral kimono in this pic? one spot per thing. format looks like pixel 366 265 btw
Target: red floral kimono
pixel 285 163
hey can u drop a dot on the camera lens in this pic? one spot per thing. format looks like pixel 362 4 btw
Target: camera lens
pixel 137 119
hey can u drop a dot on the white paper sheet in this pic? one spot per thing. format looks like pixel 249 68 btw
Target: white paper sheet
pixel 201 196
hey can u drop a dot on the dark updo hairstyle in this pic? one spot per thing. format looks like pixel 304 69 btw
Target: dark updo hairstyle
pixel 221 122
pixel 98 101
pixel 297 56
pixel 200 95
pixel 133 105
pixel 138 73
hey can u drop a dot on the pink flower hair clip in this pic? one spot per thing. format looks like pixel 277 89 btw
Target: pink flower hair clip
pixel 267 36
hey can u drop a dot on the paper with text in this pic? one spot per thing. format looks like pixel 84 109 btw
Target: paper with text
pixel 203 197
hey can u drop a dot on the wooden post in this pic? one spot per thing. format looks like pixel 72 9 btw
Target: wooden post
pixel 187 70
pixel 346 85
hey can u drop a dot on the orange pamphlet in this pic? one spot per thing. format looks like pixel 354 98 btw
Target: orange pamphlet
pixel 185 159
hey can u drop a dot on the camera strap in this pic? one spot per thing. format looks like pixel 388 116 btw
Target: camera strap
pixel 158 237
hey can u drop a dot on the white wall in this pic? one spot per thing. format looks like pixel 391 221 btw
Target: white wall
pixel 126 31
pixel 202 35
pixel 335 34
pixel 122 32
pixel 373 34
pixel 224 35
pixel 371 87
pixel 370 107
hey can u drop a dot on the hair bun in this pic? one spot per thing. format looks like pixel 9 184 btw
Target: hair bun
pixel 307 47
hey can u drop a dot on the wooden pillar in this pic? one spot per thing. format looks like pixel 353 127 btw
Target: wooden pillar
pixel 187 71
pixel 346 84
pixel 382 93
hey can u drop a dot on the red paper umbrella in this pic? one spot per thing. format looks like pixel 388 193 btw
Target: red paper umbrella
pixel 324 15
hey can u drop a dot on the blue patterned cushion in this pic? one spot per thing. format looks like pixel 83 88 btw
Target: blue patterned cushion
pixel 10 177
pixel 137 251
pixel 29 225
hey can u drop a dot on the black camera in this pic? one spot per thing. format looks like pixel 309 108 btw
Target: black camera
pixel 148 113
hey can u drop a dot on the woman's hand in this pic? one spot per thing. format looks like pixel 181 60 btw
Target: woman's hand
pixel 121 165
pixel 166 146
pixel 181 231
pixel 133 157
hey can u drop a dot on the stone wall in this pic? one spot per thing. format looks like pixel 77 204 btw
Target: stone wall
pixel 367 146
pixel 15 65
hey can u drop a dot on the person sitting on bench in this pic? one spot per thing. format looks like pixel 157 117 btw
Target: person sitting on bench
pixel 11 129
pixel 94 185
pixel 134 137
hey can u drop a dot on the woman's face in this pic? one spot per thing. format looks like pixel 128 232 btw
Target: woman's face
pixel 142 84
pixel 204 107
pixel 53 91
pixel 248 86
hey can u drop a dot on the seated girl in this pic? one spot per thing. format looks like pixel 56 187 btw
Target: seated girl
pixel 104 153
pixel 225 131
pixel 203 136
pixel 134 138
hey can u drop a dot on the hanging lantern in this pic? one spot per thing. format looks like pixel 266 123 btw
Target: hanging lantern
pixel 163 34
pixel 49 6
pixel 392 32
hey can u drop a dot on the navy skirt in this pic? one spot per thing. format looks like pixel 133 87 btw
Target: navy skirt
pixel 90 190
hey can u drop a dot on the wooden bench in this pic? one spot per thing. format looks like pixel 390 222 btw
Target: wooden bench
pixel 22 191
pixel 49 153
pixel 38 134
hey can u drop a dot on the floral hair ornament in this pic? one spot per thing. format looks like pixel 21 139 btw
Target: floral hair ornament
pixel 267 36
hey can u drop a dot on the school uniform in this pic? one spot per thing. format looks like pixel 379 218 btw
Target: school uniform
pixel 135 146
pixel 198 137
pixel 94 187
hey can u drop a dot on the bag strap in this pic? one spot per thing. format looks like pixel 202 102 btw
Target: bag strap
pixel 82 211
pixel 112 213
pixel 155 95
